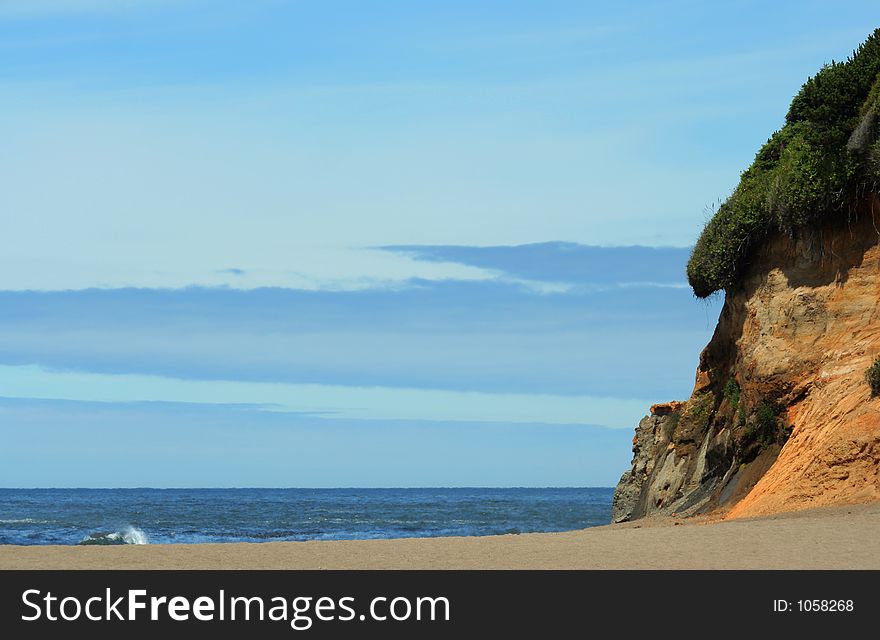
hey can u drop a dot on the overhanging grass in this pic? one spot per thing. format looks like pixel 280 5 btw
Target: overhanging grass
pixel 817 165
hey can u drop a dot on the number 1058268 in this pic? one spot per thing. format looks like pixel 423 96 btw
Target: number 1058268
pixel 814 606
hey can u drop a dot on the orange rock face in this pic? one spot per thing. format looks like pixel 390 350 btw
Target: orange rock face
pixel 665 408
pixel 814 328
pixel 781 417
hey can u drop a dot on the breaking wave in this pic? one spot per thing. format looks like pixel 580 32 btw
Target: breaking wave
pixel 130 535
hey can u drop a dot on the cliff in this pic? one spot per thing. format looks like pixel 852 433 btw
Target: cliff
pixel 781 416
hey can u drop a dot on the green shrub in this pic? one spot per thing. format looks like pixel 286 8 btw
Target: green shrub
pixel 872 376
pixel 732 393
pixel 764 425
pixel 699 410
pixel 765 419
pixel 825 155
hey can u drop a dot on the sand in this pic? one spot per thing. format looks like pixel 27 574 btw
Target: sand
pixel 828 538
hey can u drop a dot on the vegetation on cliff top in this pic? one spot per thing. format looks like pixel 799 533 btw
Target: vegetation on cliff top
pixel 823 159
pixel 872 377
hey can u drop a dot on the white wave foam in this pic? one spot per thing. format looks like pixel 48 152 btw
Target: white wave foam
pixel 24 521
pixel 129 535
pixel 133 535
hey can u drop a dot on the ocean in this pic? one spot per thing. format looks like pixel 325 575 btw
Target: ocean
pixel 144 516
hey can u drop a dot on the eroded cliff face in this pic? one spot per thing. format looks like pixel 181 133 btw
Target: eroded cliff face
pixel 781 417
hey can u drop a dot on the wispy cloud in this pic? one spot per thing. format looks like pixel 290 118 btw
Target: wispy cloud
pixel 302 268
pixel 487 335
pixel 565 262
pixel 372 403
pixel 550 267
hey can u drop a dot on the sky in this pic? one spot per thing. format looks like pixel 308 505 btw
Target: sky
pixel 319 244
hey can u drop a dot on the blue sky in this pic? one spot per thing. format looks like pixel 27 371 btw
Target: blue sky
pixel 357 244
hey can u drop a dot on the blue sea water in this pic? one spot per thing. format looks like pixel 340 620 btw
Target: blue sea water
pixel 142 516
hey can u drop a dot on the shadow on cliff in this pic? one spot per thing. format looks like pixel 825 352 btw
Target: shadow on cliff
pixel 825 254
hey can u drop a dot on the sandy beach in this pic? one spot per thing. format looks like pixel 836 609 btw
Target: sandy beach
pixel 829 538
